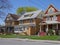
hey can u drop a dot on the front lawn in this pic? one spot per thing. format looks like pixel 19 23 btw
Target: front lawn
pixel 31 37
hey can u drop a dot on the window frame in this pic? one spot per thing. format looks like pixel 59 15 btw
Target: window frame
pixel 54 17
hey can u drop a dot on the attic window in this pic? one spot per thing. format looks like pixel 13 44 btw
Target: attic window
pixel 51 10
pixel 7 18
pixel 10 18
pixel 29 15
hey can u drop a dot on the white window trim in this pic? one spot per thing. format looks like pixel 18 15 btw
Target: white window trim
pixel 48 19
pixel 54 18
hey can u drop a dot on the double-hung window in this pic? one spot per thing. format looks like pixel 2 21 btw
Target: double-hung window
pixel 31 20
pixel 48 18
pixel 54 17
pixel 21 22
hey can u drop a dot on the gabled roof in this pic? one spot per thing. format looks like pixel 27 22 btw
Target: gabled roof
pixel 46 12
pixel 14 16
pixel 33 14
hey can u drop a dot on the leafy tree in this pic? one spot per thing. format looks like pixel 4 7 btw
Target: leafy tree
pixel 21 10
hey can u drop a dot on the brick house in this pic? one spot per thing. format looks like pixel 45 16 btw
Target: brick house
pixel 51 20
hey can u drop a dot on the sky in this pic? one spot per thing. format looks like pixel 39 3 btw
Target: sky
pixel 40 4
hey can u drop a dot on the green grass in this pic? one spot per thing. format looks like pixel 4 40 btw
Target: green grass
pixel 41 37
pixel 8 36
pixel 31 37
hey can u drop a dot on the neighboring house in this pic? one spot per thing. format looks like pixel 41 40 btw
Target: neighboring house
pixel 11 21
pixel 51 20
pixel 2 29
pixel 29 22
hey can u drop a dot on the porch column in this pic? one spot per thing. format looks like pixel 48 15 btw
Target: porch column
pixel 57 26
pixel 47 29
pixel 40 28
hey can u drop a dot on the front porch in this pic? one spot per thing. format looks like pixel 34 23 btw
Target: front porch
pixel 55 28
pixel 25 29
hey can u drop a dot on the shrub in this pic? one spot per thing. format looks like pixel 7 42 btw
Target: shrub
pixel 50 32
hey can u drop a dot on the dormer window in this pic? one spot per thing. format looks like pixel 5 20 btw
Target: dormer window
pixel 26 15
pixel 29 15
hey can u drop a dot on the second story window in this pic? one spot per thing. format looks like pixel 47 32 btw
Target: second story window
pixel 21 21
pixel 7 18
pixel 54 17
pixel 31 20
pixel 10 18
pixel 48 18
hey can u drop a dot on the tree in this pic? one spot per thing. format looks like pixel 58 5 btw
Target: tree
pixel 4 5
pixel 21 10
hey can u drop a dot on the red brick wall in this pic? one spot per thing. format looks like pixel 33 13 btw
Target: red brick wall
pixel 58 18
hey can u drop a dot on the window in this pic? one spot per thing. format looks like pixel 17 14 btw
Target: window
pixel 26 15
pixel 26 28
pixel 29 15
pixel 51 10
pixel 10 18
pixel 54 18
pixel 21 29
pixel 41 16
pixel 48 18
pixel 21 21
pixel 7 18
pixel 31 20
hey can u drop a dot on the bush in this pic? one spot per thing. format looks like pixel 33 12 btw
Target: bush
pixel 50 32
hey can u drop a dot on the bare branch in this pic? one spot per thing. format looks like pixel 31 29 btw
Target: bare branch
pixel 4 5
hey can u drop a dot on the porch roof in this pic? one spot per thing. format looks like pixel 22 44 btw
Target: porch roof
pixel 49 22
pixel 26 25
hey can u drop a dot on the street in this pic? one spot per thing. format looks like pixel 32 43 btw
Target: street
pixel 17 41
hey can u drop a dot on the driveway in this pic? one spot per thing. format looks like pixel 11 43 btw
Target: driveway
pixel 16 41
